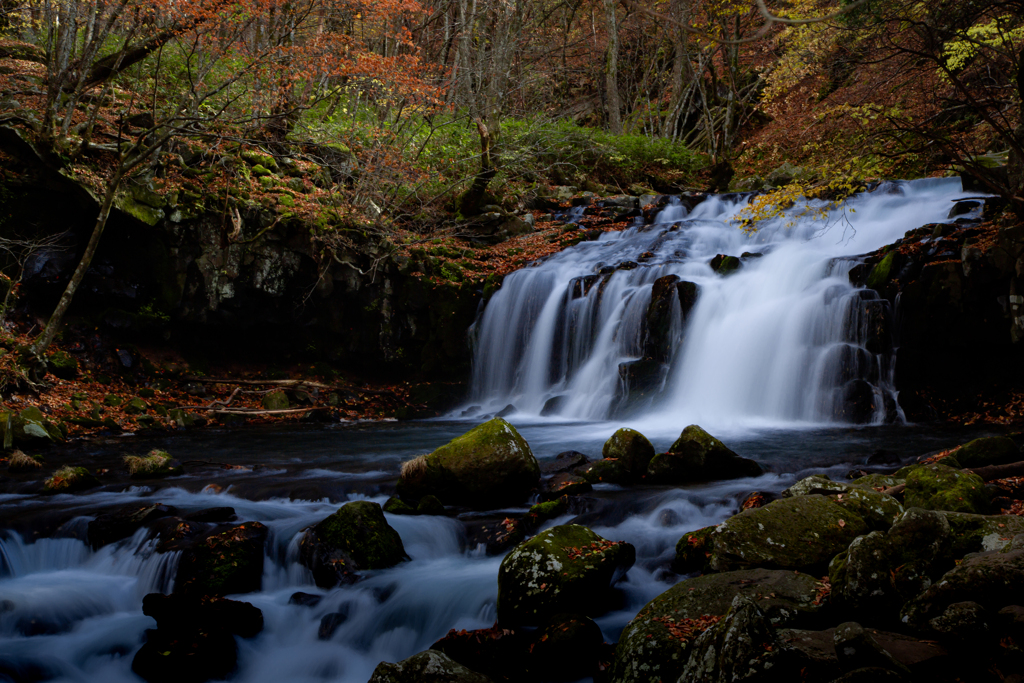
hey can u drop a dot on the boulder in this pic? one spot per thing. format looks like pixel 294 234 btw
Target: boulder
pixel 567 568
pixel 223 562
pixel 565 461
pixel 877 509
pixel 607 471
pixel 801 533
pixel 631 449
pixel 878 481
pixel 18 461
pixel 882 570
pixel 817 484
pixel 564 484
pixel 430 666
pixel 330 623
pixel 355 537
pixel 125 521
pixel 566 648
pixel 693 551
pixel 275 400
pixel 70 480
pixel 938 487
pixel 154 464
pixel 992 450
pixel 654 645
pixel 856 649
pixel 30 427
pixel 500 653
pixel 195 638
pixel 993 580
pixel 698 456
pixel 724 264
pixel 981 533
pixel 488 466
pixel 742 647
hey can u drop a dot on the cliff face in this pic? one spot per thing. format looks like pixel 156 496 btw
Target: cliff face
pixel 186 269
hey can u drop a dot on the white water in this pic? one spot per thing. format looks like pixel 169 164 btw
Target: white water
pixel 763 347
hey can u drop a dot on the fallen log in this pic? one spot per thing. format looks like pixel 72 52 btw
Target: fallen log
pixel 993 472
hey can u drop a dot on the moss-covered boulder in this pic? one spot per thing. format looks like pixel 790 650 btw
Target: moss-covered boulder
pixel 992 450
pixel 430 666
pixel 698 456
pixel 154 464
pixel 992 580
pixel 878 482
pixel 567 568
pixel 693 551
pixel 223 562
pixel 136 406
pixel 30 427
pixel 355 537
pixel 882 570
pixel 878 509
pixel 397 506
pixel 18 461
pixel 606 471
pixel 817 484
pixel 62 364
pixel 743 646
pixel 488 466
pixel 70 480
pixel 981 533
pixel 631 448
pixel 801 533
pixel 275 400
pixel 938 487
pixel 654 646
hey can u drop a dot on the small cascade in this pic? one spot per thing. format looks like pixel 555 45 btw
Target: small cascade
pixel 691 319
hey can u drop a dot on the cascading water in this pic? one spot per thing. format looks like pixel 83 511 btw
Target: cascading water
pixel 785 338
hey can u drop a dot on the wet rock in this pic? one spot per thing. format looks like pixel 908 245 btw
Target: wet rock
pixel 355 537
pixel 811 653
pixel 938 487
pixel 29 427
pixel 223 562
pixel 993 450
pixel 500 653
pixel 566 648
pixel 693 551
pixel 981 533
pixel 817 484
pixel 963 207
pixel 195 638
pixel 70 480
pixel 125 521
pixel 879 510
pixel 724 264
pixel 155 464
pixel 565 484
pixel 742 647
pixel 801 533
pixel 429 505
pixel 490 465
pixel 426 667
pixel 698 456
pixel 276 400
pixel 963 624
pixel 329 624
pixel 655 645
pixel 395 506
pixel 871 674
pixel 305 599
pixel 606 471
pixel 553 406
pixel 878 481
pixel 642 379
pixel 565 461
pixel 855 649
pixel 631 449
pixel 217 515
pixel 567 568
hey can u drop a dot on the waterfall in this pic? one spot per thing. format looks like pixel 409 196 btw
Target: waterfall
pixel 640 323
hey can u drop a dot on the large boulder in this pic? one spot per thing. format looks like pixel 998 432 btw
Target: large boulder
pixel 429 666
pixel 655 645
pixel 567 568
pixel 29 427
pixel 981 533
pixel 194 640
pixel 693 551
pixel 742 647
pixel 488 466
pixel 801 533
pixel 877 509
pixel 355 537
pixel 698 456
pixel 882 570
pixel 631 449
pixel 991 450
pixel 938 487
pixel 223 562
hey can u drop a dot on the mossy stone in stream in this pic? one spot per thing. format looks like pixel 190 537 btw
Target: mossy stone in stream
pixel 355 537
pixel 698 456
pixel 223 563
pixel 70 480
pixel 567 568
pixel 937 487
pixel 992 450
pixel 606 471
pixel 430 666
pixel 631 449
pixel 490 465
pixel 693 551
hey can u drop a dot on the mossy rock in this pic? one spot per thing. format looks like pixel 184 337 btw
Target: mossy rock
pixel 693 551
pixel 276 400
pixel 396 506
pixel 938 487
pixel 256 158
pixel 817 484
pixel 490 465
pixel 136 406
pixel 880 273
pixel 725 265
pixel 992 450
pixel 698 456
pixel 70 480
pixel 567 569
pixel 223 563
pixel 606 471
pixel 180 417
pixel 6 430
pixel 429 505
pixel 631 449
pixel 877 509
pixel 356 537
pixel 878 481
pixel 154 464
pixel 138 210
pixel 801 533
pixel 62 364
pixel 653 647
pixel 549 510
pixel 30 426
pixel 430 666
pixel 971 533
pixel 112 400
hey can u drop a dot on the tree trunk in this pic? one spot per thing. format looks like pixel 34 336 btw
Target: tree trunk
pixel 613 102
pixel 469 203
pixel 45 338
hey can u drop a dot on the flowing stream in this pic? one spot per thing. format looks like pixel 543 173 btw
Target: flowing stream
pixel 750 362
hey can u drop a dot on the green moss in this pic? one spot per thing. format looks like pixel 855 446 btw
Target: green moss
pixel 606 471
pixel 549 510
pixel 631 448
pixel 395 506
pixel 62 364
pixel 69 480
pixel 994 450
pixel 136 406
pixel 693 551
pixel 977 533
pixel 880 273
pixel 359 529
pixel 276 400
pixel 937 487
pixel 112 400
